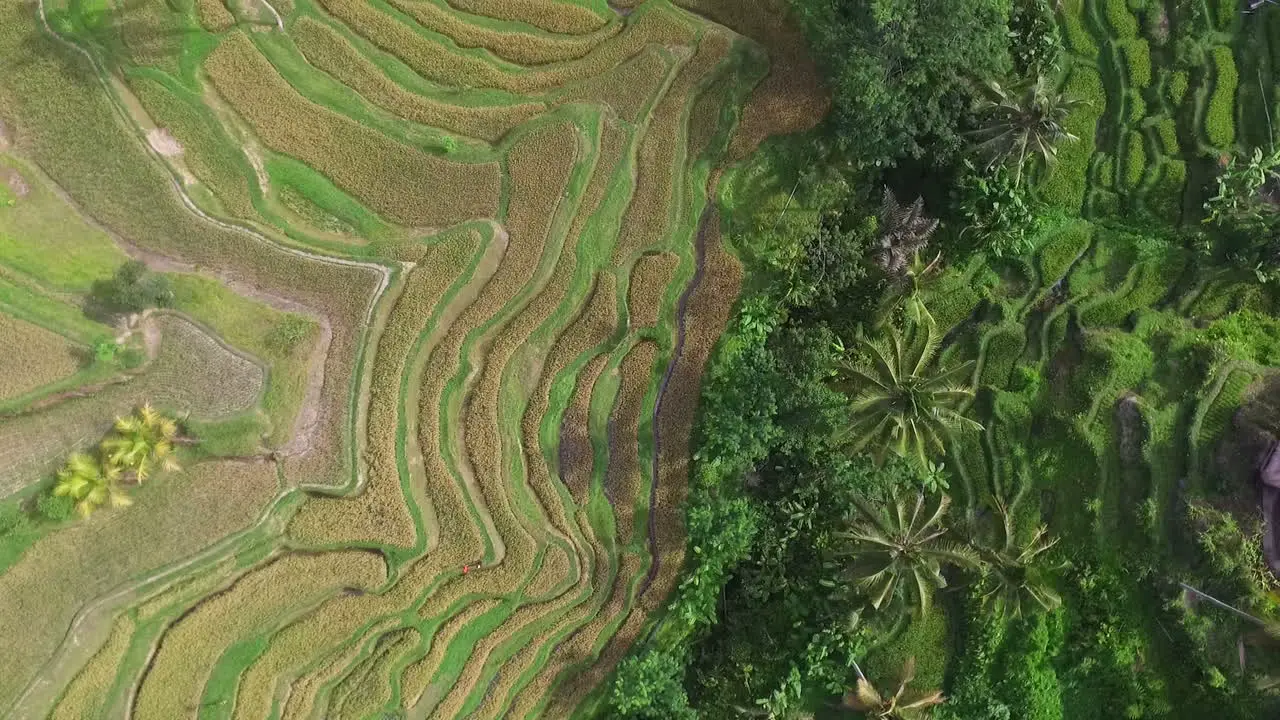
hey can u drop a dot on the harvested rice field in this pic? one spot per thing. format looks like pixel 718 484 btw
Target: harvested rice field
pixel 420 290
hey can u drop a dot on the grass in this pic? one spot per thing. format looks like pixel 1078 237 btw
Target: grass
pixel 35 357
pixel 383 174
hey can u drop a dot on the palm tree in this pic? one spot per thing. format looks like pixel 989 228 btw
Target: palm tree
pixel 90 484
pixel 142 440
pixel 1024 122
pixel 904 232
pixel 903 549
pixel 1015 573
pixel 866 699
pixel 900 406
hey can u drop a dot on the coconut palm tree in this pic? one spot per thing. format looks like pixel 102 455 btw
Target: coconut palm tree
pixel 141 441
pixel 1015 579
pixel 90 484
pixel 899 404
pixel 867 699
pixel 1022 123
pixel 902 549
pixel 904 232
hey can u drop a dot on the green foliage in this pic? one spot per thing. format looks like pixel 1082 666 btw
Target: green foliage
pixel 1236 568
pixel 650 687
pixel 898 554
pixel 1065 185
pixel 897 404
pixel 1220 119
pixel 1025 124
pixel 285 337
pixel 1001 348
pixel 1246 198
pixel 925 639
pixel 1137 60
pixel 997 209
pixel 1119 19
pixel 131 289
pixel 1036 48
pixel 90 484
pixel 55 508
pixel 1176 89
pixel 1062 249
pixel 1072 18
pixel 901 70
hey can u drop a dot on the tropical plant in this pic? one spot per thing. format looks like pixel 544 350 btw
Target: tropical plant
pixel 899 406
pixel 902 549
pixel 1023 123
pixel 1248 193
pixel 997 209
pixel 1015 576
pixel 904 232
pixel 90 484
pixel 867 699
pixel 141 441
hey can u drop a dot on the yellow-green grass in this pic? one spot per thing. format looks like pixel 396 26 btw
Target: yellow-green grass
pixel 662 153
pixel 207 150
pixel 438 63
pixel 258 601
pixel 625 481
pixel 284 341
pixel 563 678
pixel 367 687
pixel 389 177
pixel 518 46
pixel 628 88
pixel 33 444
pixel 415 681
pixel 34 357
pixel 650 287
pixel 44 238
pixel 557 16
pixel 84 697
pixel 214 15
pixel 381 513
pixel 302 693
pixel 173 516
pixel 326 49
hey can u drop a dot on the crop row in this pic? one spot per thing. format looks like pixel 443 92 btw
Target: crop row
pixel 556 16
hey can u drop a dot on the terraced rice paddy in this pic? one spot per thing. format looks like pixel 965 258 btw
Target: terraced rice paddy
pixel 446 275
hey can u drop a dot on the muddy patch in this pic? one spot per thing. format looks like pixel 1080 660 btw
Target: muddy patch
pixel 164 143
pixel 15 182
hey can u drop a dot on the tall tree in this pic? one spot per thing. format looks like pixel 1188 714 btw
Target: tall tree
pixel 1016 579
pixel 1023 124
pixel 867 699
pixel 902 549
pixel 90 484
pixel 901 71
pixel 904 232
pixel 142 441
pixel 899 404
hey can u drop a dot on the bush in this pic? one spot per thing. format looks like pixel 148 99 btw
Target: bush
pixel 1133 160
pixel 1176 89
pixel 1137 58
pixel 650 687
pixel 131 289
pixel 902 71
pixel 55 508
pixel 1066 182
pixel 996 209
pixel 1120 20
pixel 1220 123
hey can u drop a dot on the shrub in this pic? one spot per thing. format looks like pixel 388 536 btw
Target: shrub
pixel 1220 124
pixel 1137 58
pixel 1133 160
pixel 1120 20
pixel 996 209
pixel 1065 186
pixel 1176 88
pixel 131 289
pixel 55 508
pixel 650 687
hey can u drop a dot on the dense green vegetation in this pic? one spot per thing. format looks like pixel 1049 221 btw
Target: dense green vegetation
pixel 1089 334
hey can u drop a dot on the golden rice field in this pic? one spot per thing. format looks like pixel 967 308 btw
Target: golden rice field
pixel 446 276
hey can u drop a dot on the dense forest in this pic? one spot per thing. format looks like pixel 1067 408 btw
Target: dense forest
pixel 982 441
